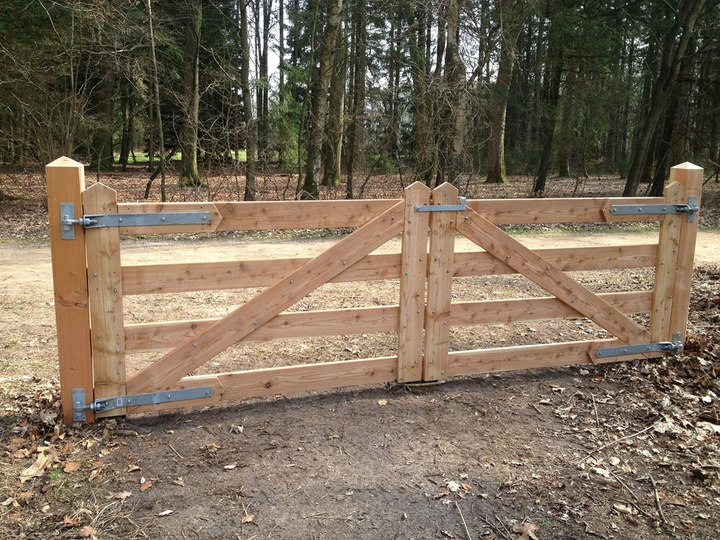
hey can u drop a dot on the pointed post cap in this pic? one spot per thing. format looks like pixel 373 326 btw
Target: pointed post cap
pixel 64 162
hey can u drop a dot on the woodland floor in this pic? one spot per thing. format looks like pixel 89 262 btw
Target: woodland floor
pixel 627 450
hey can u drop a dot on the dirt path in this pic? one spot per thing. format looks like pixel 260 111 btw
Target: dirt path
pixel 581 453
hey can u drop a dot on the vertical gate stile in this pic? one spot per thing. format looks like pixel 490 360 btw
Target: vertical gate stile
pixel 440 274
pixel 691 178
pixel 666 266
pixel 413 273
pixel 65 184
pixel 105 296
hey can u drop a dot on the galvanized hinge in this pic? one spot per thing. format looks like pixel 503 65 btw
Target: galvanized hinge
pixel 691 209
pixel 94 221
pixel 673 347
pixel 443 207
pixel 153 398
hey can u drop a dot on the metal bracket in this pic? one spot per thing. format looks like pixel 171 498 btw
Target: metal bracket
pixel 691 209
pixel 673 347
pixel 153 398
pixel 94 221
pixel 443 207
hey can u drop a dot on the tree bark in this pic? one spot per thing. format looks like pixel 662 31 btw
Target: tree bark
pixel 674 50
pixel 332 155
pixel 418 54
pixel 189 174
pixel 318 108
pixel 511 26
pixel 249 121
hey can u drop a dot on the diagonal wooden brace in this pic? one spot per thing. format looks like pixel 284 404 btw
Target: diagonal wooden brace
pixel 253 314
pixel 543 273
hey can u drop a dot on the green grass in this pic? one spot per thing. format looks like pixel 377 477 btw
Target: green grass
pixel 141 158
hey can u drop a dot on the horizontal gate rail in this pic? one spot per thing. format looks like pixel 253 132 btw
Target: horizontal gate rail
pixel 425 267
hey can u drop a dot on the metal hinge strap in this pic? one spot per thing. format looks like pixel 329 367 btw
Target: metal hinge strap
pixel 674 347
pixel 691 209
pixel 153 398
pixel 94 221
pixel 443 207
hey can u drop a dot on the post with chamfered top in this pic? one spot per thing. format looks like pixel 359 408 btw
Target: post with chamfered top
pixel 65 184
pixel 676 254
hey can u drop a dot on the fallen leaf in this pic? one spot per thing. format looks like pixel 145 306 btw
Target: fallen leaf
pixel 10 501
pixel 36 469
pixel 122 495
pixel 87 532
pixel 179 481
pixel 527 531
pixel 146 485
pixel 132 467
pixel 623 509
pixel 210 447
pixel 95 474
pixel 72 466
pixel 248 518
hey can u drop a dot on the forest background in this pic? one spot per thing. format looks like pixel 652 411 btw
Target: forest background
pixel 334 92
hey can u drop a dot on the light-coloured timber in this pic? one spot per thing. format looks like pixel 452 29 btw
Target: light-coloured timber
pixel 65 183
pixel 207 276
pixel 148 337
pixel 275 215
pixel 210 276
pixel 533 309
pixel 481 263
pixel 153 208
pixel 523 357
pixel 106 298
pixel 691 178
pixel 413 274
pixel 256 312
pixel 535 212
pixel 439 283
pixel 285 380
pixel 666 266
pixel 502 246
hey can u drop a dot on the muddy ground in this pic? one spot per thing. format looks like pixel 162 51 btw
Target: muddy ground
pixel 612 451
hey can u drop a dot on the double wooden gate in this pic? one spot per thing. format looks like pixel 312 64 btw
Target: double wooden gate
pixel 90 282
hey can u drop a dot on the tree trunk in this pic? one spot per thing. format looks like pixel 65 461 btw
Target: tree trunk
pixel 189 174
pixel 156 104
pixel 336 115
pixel 418 50
pixel 356 127
pixel 318 108
pixel 250 134
pixel 262 87
pixel 674 50
pixel 102 158
pixel 454 104
pixel 553 77
pixel 509 36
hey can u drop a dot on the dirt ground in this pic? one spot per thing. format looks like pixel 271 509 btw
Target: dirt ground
pixel 613 451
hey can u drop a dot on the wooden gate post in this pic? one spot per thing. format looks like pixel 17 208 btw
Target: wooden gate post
pixel 65 184
pixel 412 284
pixel 676 253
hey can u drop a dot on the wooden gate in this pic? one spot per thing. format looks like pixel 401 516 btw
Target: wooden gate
pixel 90 282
